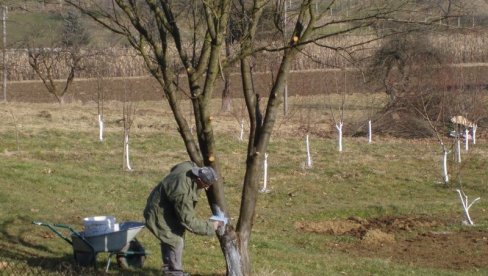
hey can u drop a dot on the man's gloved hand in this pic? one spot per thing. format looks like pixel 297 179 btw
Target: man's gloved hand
pixel 217 224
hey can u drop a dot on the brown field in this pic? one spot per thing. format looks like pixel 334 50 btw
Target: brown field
pixel 300 83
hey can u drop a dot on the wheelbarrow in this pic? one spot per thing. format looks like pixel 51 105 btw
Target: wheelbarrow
pixel 122 244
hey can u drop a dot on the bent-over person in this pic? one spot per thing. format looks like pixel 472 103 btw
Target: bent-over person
pixel 170 212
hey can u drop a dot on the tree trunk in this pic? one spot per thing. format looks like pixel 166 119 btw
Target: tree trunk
pixel 226 93
pixel 236 253
pixel 232 253
pixel 61 99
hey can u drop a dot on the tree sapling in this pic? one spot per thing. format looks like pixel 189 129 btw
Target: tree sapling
pixel 466 205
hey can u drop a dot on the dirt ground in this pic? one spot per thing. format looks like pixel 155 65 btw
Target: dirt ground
pixel 419 241
pixel 303 83
pixel 147 89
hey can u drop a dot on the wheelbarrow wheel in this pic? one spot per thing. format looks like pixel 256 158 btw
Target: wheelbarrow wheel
pixel 131 256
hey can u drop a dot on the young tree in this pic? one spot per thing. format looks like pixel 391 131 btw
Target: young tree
pixel 128 113
pixel 339 123
pixel 436 124
pixel 61 57
pixel 100 105
pixel 192 33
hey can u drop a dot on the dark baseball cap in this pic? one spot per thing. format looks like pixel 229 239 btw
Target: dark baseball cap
pixel 206 174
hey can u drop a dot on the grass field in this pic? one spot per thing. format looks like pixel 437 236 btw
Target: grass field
pixel 317 221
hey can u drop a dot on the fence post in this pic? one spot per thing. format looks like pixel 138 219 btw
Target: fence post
pixel 4 51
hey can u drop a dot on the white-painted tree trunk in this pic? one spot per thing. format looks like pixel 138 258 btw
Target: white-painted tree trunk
pixel 466 206
pixel 100 127
pixel 126 151
pixel 265 174
pixel 309 157
pixel 458 150
pixel 474 134
pixel 444 165
pixel 370 132
pixel 466 139
pixel 241 136
pixel 339 131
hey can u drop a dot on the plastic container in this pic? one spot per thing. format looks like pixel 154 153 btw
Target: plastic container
pixel 98 225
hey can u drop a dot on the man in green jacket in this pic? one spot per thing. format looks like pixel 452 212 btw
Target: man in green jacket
pixel 170 211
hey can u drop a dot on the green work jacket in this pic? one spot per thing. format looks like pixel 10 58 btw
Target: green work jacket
pixel 170 207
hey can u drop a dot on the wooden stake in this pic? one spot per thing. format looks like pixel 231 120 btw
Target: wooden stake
pixel 4 52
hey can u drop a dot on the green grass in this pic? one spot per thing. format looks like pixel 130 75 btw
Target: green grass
pixel 62 174
pixel 21 25
pixel 46 25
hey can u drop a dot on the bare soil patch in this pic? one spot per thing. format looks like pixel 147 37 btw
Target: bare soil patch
pixel 418 241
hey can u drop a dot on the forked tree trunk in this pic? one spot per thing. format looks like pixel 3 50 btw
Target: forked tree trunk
pixel 201 81
pixel 339 136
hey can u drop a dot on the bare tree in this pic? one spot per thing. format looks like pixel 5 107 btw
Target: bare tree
pixel 466 206
pixel 436 123
pixel 60 58
pixel 162 33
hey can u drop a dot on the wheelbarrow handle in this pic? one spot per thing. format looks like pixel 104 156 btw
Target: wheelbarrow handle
pixel 60 225
pixel 53 228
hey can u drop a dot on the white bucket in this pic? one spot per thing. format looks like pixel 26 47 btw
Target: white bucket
pixel 98 225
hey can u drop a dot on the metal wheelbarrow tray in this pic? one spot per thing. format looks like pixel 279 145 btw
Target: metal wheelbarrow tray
pixel 121 243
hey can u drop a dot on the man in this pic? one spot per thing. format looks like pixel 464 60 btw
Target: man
pixel 170 211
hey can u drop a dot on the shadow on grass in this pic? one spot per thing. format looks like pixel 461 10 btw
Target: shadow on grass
pixel 212 274
pixel 20 254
